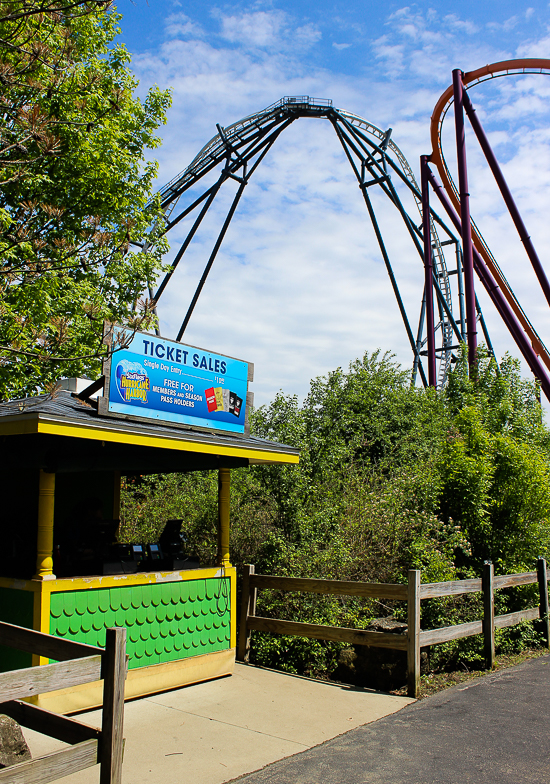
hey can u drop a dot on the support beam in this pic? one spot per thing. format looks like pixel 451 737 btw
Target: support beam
pixel 188 239
pixel 460 277
pixel 224 496
pixel 428 271
pixel 466 228
pixel 346 144
pixel 211 259
pixel 507 196
pixel 44 544
pixel 497 296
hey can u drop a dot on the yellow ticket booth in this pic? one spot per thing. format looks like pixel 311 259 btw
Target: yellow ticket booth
pixel 56 448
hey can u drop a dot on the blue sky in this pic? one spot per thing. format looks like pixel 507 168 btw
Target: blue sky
pixel 299 287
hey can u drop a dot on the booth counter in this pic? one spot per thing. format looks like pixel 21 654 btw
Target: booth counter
pixel 181 624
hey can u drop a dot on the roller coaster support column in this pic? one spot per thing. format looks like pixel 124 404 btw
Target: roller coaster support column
pixel 506 195
pixel 467 248
pixel 428 270
pixel 496 295
pixel 212 257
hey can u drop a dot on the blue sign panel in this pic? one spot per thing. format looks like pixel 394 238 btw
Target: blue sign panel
pixel 171 382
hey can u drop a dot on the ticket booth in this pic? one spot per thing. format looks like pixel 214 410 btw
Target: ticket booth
pixel 63 455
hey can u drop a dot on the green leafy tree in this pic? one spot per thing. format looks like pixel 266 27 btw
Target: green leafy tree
pixel 390 478
pixel 75 190
pixel 495 465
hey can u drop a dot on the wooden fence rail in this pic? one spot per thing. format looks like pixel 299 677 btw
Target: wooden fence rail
pixel 415 638
pixel 76 664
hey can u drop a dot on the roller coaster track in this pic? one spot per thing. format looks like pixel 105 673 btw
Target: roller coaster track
pixel 376 161
pixel 495 70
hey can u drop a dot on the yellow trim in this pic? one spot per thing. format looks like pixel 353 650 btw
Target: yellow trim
pixel 139 578
pixel 143 681
pixel 28 422
pixel 27 425
pixel 41 617
pixel 161 442
pixel 224 498
pixel 232 574
pixel 114 580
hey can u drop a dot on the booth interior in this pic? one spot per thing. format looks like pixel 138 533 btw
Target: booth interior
pixel 64 569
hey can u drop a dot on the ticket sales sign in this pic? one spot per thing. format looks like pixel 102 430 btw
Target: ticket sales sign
pixel 150 377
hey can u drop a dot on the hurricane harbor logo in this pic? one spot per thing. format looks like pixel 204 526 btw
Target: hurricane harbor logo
pixel 132 382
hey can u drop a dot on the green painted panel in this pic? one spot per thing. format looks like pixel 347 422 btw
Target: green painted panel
pixel 165 622
pixel 15 607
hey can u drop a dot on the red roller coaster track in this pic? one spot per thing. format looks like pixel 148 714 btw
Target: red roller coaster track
pixel 504 68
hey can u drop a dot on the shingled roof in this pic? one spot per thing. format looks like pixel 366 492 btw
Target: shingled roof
pixel 63 415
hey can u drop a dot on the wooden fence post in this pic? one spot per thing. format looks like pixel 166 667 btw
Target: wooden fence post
pixel 413 634
pixel 543 594
pixel 487 586
pixel 114 675
pixel 248 607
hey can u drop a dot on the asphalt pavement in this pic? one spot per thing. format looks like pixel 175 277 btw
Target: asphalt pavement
pixel 491 730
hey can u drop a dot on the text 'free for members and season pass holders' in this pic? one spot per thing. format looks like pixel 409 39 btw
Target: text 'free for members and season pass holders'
pixel 160 379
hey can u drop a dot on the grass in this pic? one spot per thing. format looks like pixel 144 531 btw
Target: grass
pixel 431 683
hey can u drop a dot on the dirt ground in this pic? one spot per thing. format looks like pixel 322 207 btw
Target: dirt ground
pixel 431 683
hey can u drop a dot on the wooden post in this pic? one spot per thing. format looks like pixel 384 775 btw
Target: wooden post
pixel 224 497
pixel 114 675
pixel 248 607
pixel 44 542
pixel 488 614
pixel 413 634
pixel 543 598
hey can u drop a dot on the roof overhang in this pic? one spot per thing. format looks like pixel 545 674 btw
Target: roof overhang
pixel 134 434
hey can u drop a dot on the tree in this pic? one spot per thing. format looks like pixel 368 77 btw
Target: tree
pixel 390 478
pixel 75 190
pixel 495 466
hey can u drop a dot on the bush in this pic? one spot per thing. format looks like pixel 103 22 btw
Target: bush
pixel 390 478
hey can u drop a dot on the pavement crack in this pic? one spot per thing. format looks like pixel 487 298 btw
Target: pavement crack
pixel 231 724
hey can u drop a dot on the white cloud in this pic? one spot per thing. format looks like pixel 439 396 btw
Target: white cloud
pixel 392 55
pixel 339 47
pixel 299 286
pixel 506 26
pixel 266 30
pixel 426 47
pixel 181 26
pixel 307 35
pixel 454 22
pixel 535 48
pixel 260 28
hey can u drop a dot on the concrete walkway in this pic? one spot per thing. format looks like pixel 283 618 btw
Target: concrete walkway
pixel 213 732
pixel 491 730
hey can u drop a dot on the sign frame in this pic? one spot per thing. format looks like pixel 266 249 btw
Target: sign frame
pixel 109 330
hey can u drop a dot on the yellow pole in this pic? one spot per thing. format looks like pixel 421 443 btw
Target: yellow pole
pixel 44 545
pixel 41 618
pixel 224 495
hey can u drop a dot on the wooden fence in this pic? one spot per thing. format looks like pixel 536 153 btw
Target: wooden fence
pixel 415 638
pixel 75 664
